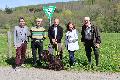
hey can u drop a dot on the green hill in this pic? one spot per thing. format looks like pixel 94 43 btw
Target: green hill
pixel 104 14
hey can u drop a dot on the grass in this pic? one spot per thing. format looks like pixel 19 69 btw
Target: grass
pixel 3 49
pixel 109 55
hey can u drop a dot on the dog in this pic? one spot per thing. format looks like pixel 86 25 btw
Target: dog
pixel 45 56
pixel 54 62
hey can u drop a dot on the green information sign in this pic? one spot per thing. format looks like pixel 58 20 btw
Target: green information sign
pixel 49 11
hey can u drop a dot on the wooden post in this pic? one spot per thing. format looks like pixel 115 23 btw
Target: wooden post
pixel 50 20
pixel 9 45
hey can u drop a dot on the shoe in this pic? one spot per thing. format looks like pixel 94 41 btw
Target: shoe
pixel 17 69
pixel 23 65
pixel 39 63
pixel 75 63
pixel 71 66
pixel 35 65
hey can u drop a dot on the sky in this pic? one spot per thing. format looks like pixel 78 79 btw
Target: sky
pixel 17 3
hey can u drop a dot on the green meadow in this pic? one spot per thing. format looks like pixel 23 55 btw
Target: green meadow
pixel 109 54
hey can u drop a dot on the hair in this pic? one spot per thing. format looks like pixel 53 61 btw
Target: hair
pixel 38 19
pixel 56 18
pixel 21 18
pixel 87 18
pixel 68 26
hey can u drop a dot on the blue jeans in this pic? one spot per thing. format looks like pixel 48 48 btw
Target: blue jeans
pixel 71 57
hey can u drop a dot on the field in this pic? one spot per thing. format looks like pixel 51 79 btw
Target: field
pixel 109 54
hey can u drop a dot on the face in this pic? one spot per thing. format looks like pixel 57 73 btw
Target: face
pixel 56 22
pixel 39 22
pixel 70 26
pixel 22 22
pixel 87 22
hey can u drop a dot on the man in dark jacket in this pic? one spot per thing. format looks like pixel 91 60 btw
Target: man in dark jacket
pixel 91 39
pixel 55 34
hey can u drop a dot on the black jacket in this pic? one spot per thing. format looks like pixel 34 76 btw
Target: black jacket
pixel 51 33
pixel 95 34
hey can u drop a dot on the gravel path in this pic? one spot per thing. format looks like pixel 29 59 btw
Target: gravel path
pixel 7 73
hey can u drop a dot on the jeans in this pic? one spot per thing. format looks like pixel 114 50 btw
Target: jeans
pixel 71 57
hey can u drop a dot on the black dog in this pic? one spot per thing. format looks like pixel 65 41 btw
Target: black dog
pixel 54 62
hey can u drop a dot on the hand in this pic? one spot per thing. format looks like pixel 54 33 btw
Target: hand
pixel 56 40
pixel 53 40
pixel 25 42
pixel 97 45
pixel 15 46
pixel 74 40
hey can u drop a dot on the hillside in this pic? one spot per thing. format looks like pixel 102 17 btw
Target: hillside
pixel 104 14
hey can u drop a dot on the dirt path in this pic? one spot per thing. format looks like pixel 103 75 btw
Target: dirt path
pixel 8 73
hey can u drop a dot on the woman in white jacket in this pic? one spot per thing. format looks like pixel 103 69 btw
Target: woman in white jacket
pixel 71 41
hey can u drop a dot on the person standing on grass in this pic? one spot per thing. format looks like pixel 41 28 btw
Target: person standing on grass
pixel 91 39
pixel 21 33
pixel 37 37
pixel 71 41
pixel 55 34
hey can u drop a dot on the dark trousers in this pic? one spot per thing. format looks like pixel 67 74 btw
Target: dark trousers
pixel 71 57
pixel 20 54
pixel 36 46
pixel 58 47
pixel 89 45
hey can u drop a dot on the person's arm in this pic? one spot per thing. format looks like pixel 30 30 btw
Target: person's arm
pixel 27 34
pixel 60 34
pixel 82 34
pixel 49 33
pixel 30 34
pixel 44 34
pixel 75 37
pixel 97 34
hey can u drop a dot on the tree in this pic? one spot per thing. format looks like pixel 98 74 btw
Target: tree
pixel 8 10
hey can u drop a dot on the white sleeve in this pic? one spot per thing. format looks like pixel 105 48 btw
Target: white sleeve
pixel 76 34
pixel 28 32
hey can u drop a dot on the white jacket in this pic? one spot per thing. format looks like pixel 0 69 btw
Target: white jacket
pixel 20 35
pixel 72 40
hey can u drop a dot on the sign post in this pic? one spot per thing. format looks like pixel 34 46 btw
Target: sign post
pixel 49 12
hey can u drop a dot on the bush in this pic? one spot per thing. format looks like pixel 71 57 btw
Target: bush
pixel 8 10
